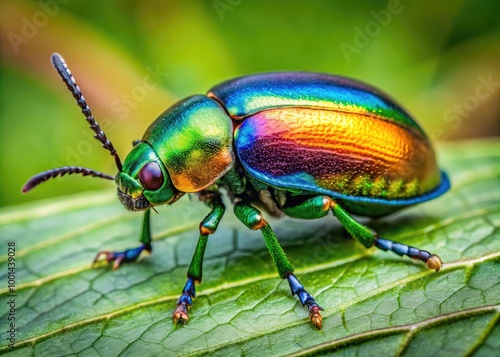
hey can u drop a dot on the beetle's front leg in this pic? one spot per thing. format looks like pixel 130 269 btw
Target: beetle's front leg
pixel 207 226
pixel 131 254
pixel 253 219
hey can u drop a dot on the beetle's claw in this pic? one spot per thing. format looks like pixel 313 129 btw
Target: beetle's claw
pixel 315 316
pixel 108 254
pixel 180 314
pixel 434 262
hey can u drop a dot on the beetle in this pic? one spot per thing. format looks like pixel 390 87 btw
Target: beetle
pixel 294 143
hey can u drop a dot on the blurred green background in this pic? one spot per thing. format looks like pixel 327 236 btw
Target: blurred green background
pixel 133 59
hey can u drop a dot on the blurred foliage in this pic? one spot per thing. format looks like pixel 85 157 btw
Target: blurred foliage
pixel 432 56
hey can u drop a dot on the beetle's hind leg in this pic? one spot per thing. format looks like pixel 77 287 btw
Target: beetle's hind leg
pixel 253 219
pixel 369 237
pixel 318 206
pixel 130 255
pixel 207 226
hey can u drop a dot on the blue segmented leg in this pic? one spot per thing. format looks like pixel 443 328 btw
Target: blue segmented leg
pixel 131 254
pixel 368 237
pixel 432 260
pixel 180 313
pixel 306 299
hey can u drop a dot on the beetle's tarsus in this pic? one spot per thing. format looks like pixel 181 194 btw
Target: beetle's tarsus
pixel 433 261
pixel 180 314
pixel 306 299
pixel 126 256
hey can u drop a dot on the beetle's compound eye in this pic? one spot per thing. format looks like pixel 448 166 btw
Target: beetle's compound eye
pixel 151 176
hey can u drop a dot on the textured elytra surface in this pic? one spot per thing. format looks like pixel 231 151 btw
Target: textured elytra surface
pixel 374 301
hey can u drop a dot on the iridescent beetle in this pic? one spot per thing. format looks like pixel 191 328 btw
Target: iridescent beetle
pixel 297 143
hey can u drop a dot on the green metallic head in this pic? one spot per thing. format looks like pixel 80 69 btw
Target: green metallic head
pixel 143 181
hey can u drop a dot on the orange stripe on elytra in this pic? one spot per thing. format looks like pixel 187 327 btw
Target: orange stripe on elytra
pixel 349 133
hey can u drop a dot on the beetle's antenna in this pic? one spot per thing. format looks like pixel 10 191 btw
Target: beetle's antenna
pixel 61 171
pixel 63 70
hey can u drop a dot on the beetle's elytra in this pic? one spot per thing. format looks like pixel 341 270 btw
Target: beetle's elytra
pixel 300 144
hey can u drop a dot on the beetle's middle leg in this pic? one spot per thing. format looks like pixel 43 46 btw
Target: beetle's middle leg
pixel 131 254
pixel 207 226
pixel 319 206
pixel 253 219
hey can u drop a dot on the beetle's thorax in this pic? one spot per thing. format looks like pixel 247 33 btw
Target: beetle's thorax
pixel 194 141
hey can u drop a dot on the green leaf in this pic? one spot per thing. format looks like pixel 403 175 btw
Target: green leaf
pixel 375 302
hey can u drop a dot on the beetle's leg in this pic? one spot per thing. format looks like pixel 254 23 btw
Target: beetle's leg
pixel 369 237
pixel 253 219
pixel 207 226
pixel 130 255
pixel 318 206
